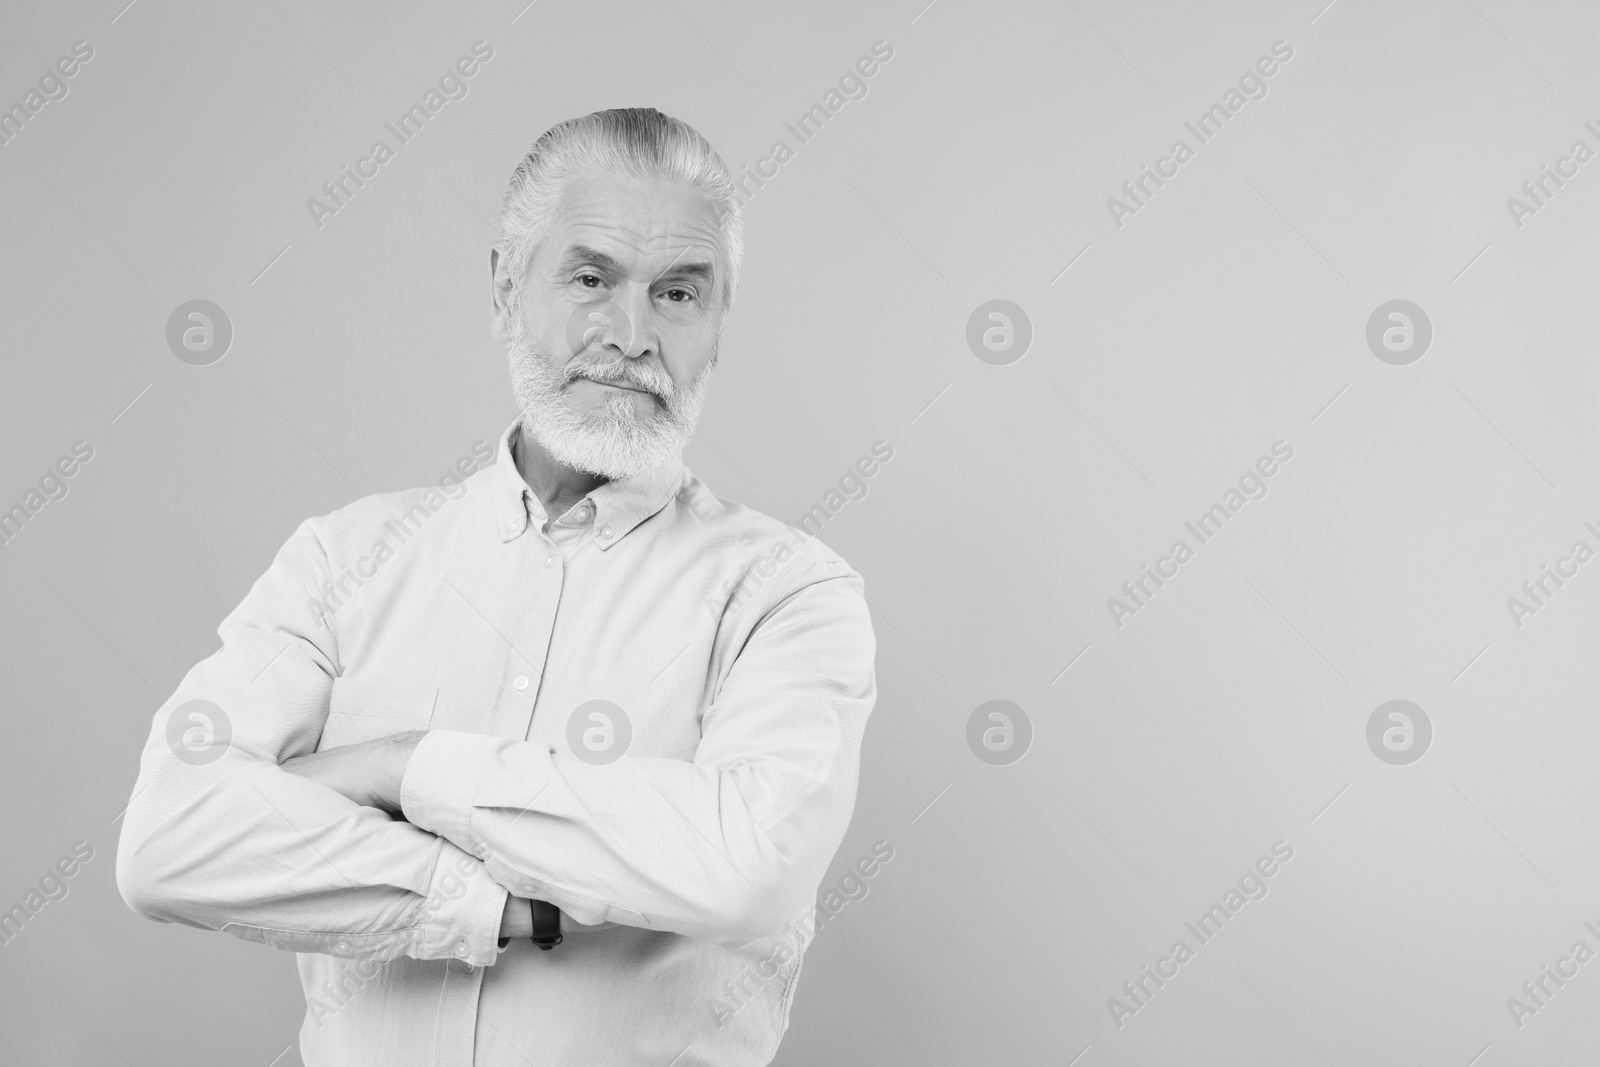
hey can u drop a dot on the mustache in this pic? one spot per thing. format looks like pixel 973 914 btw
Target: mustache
pixel 621 371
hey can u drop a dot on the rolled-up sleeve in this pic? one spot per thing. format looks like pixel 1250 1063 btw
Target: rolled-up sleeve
pixel 218 836
pixel 725 848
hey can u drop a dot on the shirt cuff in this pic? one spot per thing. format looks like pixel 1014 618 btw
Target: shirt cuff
pixel 465 906
pixel 436 790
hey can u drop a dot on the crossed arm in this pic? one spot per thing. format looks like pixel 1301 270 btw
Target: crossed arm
pixel 370 773
pixel 275 843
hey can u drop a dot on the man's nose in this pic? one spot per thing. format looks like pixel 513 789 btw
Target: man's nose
pixel 634 336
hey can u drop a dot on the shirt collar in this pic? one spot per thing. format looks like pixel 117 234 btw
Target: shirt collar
pixel 618 506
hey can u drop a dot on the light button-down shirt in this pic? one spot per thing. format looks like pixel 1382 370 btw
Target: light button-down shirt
pixel 647 711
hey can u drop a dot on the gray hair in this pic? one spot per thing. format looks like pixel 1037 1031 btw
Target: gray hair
pixel 638 142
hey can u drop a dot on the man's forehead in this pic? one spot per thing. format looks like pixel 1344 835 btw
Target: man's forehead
pixel 648 217
pixel 606 248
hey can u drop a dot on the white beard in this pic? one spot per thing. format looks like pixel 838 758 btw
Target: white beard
pixel 613 444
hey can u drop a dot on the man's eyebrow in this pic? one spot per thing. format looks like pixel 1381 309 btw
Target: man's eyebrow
pixel 702 270
pixel 580 254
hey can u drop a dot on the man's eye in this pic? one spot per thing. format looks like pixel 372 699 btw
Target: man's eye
pixel 680 295
pixel 589 281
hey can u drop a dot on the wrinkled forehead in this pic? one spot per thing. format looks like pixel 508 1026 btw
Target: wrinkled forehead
pixel 643 225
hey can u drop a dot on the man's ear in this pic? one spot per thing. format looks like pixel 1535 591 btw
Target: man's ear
pixel 501 293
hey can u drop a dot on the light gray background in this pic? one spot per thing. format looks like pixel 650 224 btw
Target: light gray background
pixel 1223 317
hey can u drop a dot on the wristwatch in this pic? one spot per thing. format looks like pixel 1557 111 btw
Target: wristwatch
pixel 546 925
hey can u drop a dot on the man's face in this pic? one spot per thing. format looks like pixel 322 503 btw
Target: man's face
pixel 613 332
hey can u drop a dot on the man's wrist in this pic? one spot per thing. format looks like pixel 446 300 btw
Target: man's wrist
pixel 517 918
pixel 397 756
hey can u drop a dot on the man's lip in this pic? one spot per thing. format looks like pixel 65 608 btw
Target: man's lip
pixel 615 385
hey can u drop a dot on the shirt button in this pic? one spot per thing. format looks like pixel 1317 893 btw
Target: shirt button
pixel 605 533
pixel 343 946
pixel 584 514
pixel 521 681
pixel 461 948
pixel 549 561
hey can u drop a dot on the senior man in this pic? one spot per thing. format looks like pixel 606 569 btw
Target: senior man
pixel 546 768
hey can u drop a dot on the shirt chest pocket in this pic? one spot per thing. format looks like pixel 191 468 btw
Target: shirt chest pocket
pixel 364 709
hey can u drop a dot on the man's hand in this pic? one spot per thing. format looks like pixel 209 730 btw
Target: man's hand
pixel 368 773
